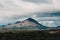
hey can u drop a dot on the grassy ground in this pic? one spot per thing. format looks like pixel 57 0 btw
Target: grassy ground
pixel 31 35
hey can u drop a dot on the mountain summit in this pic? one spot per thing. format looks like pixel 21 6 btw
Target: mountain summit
pixel 32 22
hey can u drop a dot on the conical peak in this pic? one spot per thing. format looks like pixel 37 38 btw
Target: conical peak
pixel 32 20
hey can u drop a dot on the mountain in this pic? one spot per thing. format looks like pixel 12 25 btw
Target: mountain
pixel 29 23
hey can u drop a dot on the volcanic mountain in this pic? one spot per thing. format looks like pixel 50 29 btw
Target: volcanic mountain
pixel 29 23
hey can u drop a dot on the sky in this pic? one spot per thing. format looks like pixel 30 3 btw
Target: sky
pixel 46 12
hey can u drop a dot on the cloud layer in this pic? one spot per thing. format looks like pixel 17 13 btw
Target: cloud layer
pixel 12 10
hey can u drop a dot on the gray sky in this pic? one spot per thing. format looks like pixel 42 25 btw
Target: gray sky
pixel 44 11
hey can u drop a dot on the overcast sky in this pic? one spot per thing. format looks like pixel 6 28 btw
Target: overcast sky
pixel 47 12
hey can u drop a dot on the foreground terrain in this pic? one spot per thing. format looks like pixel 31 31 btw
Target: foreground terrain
pixel 31 35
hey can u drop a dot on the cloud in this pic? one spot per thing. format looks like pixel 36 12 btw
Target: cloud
pixel 56 4
pixel 48 23
pixel 48 14
pixel 39 1
pixel 12 10
pixel 49 19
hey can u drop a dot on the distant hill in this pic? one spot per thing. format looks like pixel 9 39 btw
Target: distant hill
pixel 29 23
